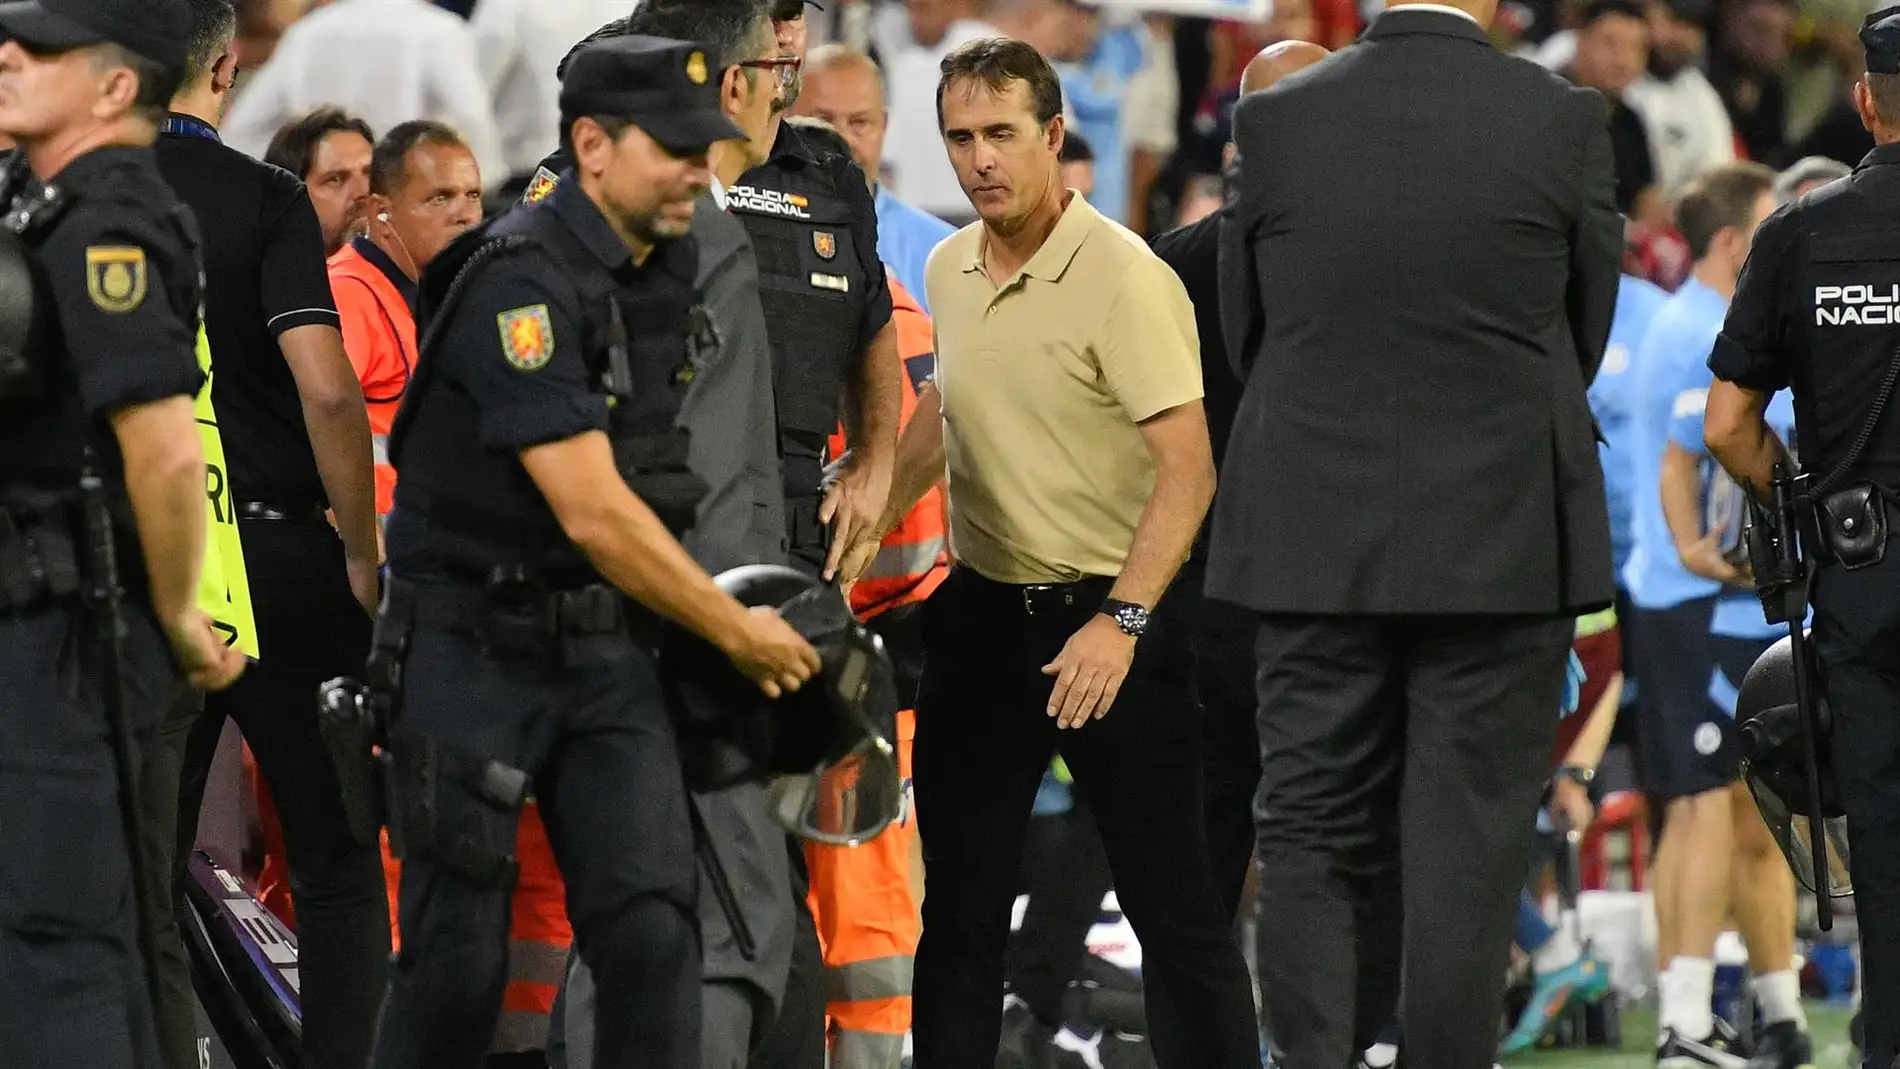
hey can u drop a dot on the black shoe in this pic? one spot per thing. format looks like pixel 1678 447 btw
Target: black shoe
pixel 1026 1042
pixel 1782 1046
pixel 1715 1052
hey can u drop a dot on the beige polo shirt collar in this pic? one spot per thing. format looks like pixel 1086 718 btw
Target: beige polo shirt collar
pixel 1057 252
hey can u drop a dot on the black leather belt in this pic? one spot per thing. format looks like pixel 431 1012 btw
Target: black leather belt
pixel 1047 599
pixel 457 608
pixel 270 511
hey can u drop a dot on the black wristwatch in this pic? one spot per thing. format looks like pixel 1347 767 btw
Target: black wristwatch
pixel 1130 617
pixel 1578 775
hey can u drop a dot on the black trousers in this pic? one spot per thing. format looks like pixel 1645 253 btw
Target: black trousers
pixel 983 740
pixel 72 976
pixel 1398 758
pixel 1224 683
pixel 310 630
pixel 176 1010
pixel 1068 877
pixel 1856 632
pixel 1068 872
pixel 592 730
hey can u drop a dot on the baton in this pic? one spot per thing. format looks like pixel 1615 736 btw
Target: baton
pixel 1785 501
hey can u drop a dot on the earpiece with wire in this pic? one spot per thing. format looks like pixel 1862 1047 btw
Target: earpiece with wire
pixel 415 269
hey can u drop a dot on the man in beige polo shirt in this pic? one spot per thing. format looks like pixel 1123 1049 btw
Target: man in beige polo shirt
pixel 1069 391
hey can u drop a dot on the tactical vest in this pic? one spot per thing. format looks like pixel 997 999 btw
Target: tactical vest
pixel 481 510
pixel 30 208
pixel 813 290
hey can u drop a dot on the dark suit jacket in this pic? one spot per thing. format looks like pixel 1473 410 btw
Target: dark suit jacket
pixel 1420 267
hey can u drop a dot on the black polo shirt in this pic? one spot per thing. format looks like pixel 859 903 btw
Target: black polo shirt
pixel 264 275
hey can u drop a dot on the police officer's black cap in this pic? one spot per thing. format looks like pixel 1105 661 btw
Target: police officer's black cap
pixel 665 87
pixel 792 9
pixel 1880 36
pixel 159 30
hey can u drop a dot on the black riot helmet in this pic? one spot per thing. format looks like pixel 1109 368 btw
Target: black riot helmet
pixel 824 750
pixel 1774 764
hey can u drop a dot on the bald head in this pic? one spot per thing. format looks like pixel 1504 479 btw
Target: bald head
pixel 843 61
pixel 1276 61
pixel 844 88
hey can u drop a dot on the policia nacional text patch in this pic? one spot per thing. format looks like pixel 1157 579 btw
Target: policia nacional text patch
pixel 527 337
pixel 115 277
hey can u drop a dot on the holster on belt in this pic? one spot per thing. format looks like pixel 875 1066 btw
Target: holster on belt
pixel 355 718
pixel 424 774
pixel 39 558
pixel 1853 525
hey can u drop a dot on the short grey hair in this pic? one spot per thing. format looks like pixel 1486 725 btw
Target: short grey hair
pixel 1805 170
pixel 838 57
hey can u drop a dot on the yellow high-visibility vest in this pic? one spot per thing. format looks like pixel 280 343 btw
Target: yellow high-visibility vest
pixel 224 590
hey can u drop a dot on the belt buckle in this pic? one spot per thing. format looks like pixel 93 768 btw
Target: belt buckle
pixel 1030 592
pixel 589 611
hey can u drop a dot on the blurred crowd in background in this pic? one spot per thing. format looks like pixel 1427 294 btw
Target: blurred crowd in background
pixel 1697 83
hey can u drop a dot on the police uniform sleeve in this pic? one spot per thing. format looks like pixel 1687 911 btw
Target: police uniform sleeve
pixel 877 292
pixel 1752 350
pixel 112 274
pixel 295 285
pixel 518 349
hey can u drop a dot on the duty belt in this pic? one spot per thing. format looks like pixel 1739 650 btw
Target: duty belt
pixel 460 609
pixel 39 559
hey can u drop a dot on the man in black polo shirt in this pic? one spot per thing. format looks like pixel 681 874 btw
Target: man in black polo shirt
pixel 296 442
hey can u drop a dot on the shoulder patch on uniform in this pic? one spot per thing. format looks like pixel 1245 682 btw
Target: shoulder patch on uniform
pixel 115 277
pixel 540 186
pixel 527 337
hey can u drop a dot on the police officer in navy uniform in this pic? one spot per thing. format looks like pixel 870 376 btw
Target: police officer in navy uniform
pixel 540 479
pixel 813 223
pixel 1814 312
pixel 98 381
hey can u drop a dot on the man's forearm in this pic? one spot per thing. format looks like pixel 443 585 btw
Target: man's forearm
pixel 625 540
pixel 876 400
pixel 1750 460
pixel 339 435
pixel 919 464
pixel 1682 506
pixel 165 483
pixel 1165 534
pixel 338 424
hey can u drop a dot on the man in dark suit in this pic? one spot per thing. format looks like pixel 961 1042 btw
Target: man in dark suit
pixel 1420 269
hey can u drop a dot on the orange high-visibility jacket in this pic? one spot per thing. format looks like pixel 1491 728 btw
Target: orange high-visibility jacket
pixel 863 898
pixel 913 559
pixel 379 333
